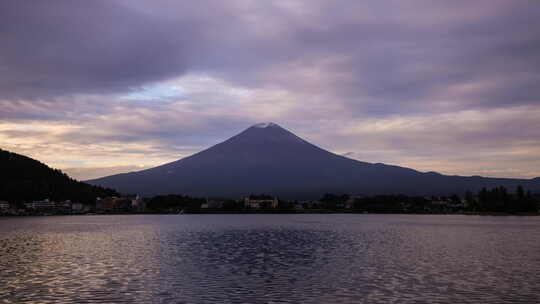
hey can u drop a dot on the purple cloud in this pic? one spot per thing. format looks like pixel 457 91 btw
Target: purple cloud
pixel 317 67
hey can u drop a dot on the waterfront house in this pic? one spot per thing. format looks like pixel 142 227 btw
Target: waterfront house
pixel 212 204
pixel 77 207
pixel 138 204
pixel 349 203
pixel 45 204
pixel 105 204
pixel 260 202
pixel 120 204
pixel 4 206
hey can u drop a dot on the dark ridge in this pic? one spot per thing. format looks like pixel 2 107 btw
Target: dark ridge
pixel 25 179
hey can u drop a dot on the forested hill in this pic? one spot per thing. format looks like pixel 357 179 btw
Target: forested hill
pixel 24 179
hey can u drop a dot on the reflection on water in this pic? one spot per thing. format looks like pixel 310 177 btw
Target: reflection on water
pixel 270 259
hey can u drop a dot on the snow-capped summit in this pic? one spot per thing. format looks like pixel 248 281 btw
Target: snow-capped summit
pixel 265 125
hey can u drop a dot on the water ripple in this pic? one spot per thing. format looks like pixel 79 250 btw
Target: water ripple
pixel 270 259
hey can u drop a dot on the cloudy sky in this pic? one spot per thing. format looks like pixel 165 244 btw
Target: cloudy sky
pixel 101 87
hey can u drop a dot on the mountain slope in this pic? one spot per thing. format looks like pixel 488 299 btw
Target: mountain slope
pixel 25 179
pixel 266 158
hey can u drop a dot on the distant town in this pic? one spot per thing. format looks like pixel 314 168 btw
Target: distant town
pixel 491 201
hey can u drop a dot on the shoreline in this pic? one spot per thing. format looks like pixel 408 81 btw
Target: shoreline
pixel 316 211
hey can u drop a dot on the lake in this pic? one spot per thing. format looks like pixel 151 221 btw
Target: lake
pixel 264 258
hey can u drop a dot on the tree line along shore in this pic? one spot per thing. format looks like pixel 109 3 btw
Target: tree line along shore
pixel 493 201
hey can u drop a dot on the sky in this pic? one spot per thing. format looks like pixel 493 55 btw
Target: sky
pixel 102 87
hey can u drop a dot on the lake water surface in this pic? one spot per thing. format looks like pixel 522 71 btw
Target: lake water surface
pixel 306 258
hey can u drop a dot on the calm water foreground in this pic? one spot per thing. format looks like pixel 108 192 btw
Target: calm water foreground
pixel 306 258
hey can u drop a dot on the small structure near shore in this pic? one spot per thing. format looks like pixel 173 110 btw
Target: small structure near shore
pixel 4 205
pixel 120 204
pixel 260 202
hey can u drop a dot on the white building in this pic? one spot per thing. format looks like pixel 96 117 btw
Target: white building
pixel 4 205
pixel 260 201
pixel 138 204
pixel 212 204
pixel 44 204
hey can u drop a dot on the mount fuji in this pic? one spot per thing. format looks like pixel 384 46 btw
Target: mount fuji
pixel 266 158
